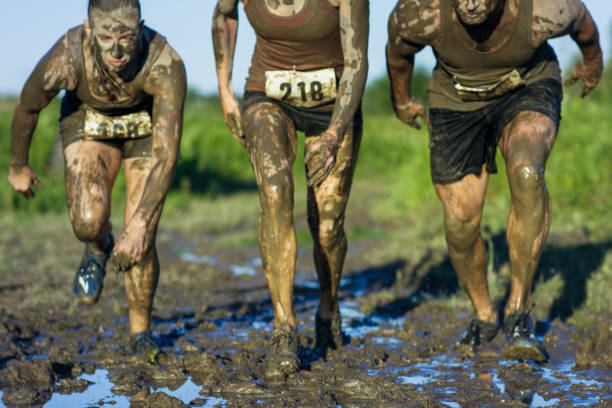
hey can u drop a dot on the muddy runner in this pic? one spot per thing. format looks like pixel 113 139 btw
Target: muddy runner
pixel 307 74
pixel 125 89
pixel 497 83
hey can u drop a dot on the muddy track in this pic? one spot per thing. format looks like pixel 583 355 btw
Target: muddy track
pixel 211 317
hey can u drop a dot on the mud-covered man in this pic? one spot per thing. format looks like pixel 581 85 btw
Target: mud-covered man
pixel 307 74
pixel 125 88
pixel 497 83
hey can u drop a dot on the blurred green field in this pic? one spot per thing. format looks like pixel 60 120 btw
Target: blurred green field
pixel 393 157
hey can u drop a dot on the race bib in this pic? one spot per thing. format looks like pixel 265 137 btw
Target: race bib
pixel 302 89
pixel 130 126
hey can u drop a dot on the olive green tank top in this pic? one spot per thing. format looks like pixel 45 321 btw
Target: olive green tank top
pixel 307 41
pixel 467 79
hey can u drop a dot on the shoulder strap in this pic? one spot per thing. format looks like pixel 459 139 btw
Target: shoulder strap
pixel 525 16
pixel 154 44
pixel 75 46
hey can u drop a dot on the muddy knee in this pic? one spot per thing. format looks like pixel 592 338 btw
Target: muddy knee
pixel 88 226
pixel 462 227
pixel 526 183
pixel 331 233
pixel 276 193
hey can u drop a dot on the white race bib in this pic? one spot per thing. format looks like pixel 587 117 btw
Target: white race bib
pixel 130 126
pixel 303 89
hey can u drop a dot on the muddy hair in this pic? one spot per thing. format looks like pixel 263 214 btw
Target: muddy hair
pixel 112 5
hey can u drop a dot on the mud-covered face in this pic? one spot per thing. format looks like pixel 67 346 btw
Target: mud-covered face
pixel 474 12
pixel 115 38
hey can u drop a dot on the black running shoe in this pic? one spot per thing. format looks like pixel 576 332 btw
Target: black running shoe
pixel 89 278
pixel 329 334
pixel 281 354
pixel 478 332
pixel 522 342
pixel 145 347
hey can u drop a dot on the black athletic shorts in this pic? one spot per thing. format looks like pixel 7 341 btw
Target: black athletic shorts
pixel 461 142
pixel 310 121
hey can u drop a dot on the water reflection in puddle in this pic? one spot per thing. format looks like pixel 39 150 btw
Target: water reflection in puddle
pixel 249 269
pixel 414 379
pixel 99 390
pixel 561 377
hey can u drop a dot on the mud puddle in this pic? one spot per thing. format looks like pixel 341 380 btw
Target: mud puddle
pixel 99 393
pixel 212 316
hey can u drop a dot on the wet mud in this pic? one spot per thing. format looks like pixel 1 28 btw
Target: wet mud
pixel 212 315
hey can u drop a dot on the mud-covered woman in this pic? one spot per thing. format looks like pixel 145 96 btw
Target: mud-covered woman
pixel 125 88
pixel 307 74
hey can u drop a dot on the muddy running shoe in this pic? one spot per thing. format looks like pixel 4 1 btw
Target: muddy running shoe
pixel 145 347
pixel 281 355
pixel 89 278
pixel 329 334
pixel 522 342
pixel 478 332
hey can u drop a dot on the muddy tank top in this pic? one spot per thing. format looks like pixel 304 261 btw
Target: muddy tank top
pixel 307 41
pixel 76 103
pixel 460 66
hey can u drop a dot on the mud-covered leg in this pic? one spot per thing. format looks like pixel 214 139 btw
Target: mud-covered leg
pixel 463 202
pixel 90 171
pixel 141 279
pixel 525 144
pixel 271 141
pixel 326 209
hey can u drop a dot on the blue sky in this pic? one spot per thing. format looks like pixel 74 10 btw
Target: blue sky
pixel 28 28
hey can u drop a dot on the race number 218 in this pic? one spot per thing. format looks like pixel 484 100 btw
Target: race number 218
pixel 303 89
pixel 315 88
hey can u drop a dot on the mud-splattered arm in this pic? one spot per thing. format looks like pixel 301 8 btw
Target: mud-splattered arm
pixel 168 84
pixel 354 31
pixel 53 73
pixel 410 28
pixel 224 31
pixel 555 19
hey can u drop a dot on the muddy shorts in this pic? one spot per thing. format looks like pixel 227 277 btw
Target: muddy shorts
pixel 72 130
pixel 310 121
pixel 461 142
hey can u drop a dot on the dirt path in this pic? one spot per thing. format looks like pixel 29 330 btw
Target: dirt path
pixel 212 314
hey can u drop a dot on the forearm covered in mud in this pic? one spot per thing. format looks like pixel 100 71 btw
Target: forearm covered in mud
pixel 400 63
pixel 354 28
pixel 586 36
pixel 167 128
pixel 22 129
pixel 400 69
pixel 224 31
